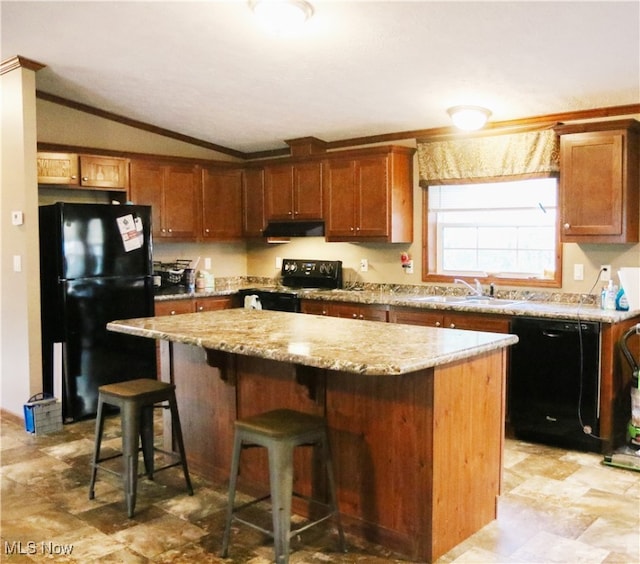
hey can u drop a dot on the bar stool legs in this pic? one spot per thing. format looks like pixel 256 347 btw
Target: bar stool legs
pixel 136 400
pixel 280 432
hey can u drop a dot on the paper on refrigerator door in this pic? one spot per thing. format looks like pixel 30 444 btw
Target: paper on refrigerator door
pixel 131 232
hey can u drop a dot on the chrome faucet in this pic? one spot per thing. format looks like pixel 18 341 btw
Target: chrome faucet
pixel 477 291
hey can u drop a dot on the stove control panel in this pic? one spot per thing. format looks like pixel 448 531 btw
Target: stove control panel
pixel 312 273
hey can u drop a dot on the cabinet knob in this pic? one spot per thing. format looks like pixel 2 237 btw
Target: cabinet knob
pixel 452 326
pixel 85 178
pixel 173 312
pixel 351 228
pixel 169 230
pixel 361 316
pixel 206 231
pixel 201 308
pixel 324 312
pixel 163 230
pixel 438 324
pixel 566 226
pixel 73 177
pixel 355 315
pixel 290 212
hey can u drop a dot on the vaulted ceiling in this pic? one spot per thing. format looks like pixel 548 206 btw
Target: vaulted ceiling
pixel 205 69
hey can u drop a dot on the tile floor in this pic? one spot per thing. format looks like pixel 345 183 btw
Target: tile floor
pixel 557 506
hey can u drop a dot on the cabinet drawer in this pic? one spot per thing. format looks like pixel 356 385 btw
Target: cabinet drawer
pixel 174 307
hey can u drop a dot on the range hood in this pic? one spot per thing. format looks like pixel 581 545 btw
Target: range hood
pixel 294 229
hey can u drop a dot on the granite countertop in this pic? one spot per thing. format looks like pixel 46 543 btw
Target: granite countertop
pixel 362 347
pixel 509 307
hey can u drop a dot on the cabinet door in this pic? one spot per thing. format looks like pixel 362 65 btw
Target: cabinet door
pixel 473 322
pixel 174 307
pixel 372 198
pixel 591 183
pixel 103 172
pixel 180 210
pixel 339 184
pixel 221 204
pixel 213 304
pixel 314 307
pixel 344 310
pixel 57 168
pixel 278 184
pixel 416 317
pixel 358 311
pixel 307 190
pixel 253 212
pixel 147 185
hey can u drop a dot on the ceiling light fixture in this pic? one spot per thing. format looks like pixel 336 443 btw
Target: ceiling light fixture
pixel 469 118
pixel 282 15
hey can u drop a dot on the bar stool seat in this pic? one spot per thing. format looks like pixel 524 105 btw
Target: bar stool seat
pixel 136 400
pixel 280 431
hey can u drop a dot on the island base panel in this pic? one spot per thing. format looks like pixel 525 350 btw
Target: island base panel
pixel 417 457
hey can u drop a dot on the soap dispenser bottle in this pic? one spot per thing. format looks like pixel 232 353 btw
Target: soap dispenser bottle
pixel 610 297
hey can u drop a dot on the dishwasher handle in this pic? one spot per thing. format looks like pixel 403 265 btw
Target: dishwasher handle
pixel 551 335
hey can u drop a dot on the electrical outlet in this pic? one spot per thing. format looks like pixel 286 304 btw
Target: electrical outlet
pixel 605 272
pixel 578 271
pixel 207 263
pixel 364 265
pixel 408 267
pixel 278 262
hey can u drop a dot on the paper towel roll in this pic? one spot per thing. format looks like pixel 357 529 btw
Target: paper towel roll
pixel 630 282
pixel 252 302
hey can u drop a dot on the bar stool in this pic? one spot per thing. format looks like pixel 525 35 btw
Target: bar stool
pixel 280 431
pixel 136 400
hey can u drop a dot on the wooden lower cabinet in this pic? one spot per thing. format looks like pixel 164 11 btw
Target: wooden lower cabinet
pixel 194 305
pixel 348 310
pixel 174 307
pixel 450 320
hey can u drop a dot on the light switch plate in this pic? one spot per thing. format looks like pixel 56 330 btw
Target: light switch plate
pixel 578 271
pixel 17 218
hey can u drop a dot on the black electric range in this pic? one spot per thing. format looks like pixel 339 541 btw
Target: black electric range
pixel 296 276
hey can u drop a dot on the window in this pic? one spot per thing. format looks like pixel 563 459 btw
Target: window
pixel 502 230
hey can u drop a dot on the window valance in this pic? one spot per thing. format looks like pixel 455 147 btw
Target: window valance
pixel 510 155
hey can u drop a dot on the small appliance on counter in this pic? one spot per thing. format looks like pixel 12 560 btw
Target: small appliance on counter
pixel 170 273
pixel 297 275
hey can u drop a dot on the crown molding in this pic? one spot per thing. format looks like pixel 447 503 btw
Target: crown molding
pixel 491 128
pixel 19 62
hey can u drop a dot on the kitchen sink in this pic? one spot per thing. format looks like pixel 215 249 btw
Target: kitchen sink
pixel 488 301
pixel 465 300
pixel 438 299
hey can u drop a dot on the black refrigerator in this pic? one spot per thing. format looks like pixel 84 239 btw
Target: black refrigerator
pixel 95 267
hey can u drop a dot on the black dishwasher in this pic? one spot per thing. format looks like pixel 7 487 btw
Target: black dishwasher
pixel 554 383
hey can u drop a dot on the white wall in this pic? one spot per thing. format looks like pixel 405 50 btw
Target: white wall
pixel 20 355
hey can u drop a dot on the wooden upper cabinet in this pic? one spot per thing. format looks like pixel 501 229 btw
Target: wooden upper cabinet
pixel 600 182
pixel 369 196
pixel 58 168
pixel 222 204
pixel 172 191
pixel 253 212
pixel 103 172
pixel 293 190
pixel 84 171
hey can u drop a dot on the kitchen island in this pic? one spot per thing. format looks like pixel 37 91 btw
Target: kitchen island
pixel 415 414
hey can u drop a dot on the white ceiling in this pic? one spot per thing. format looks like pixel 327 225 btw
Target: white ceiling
pixel 206 69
